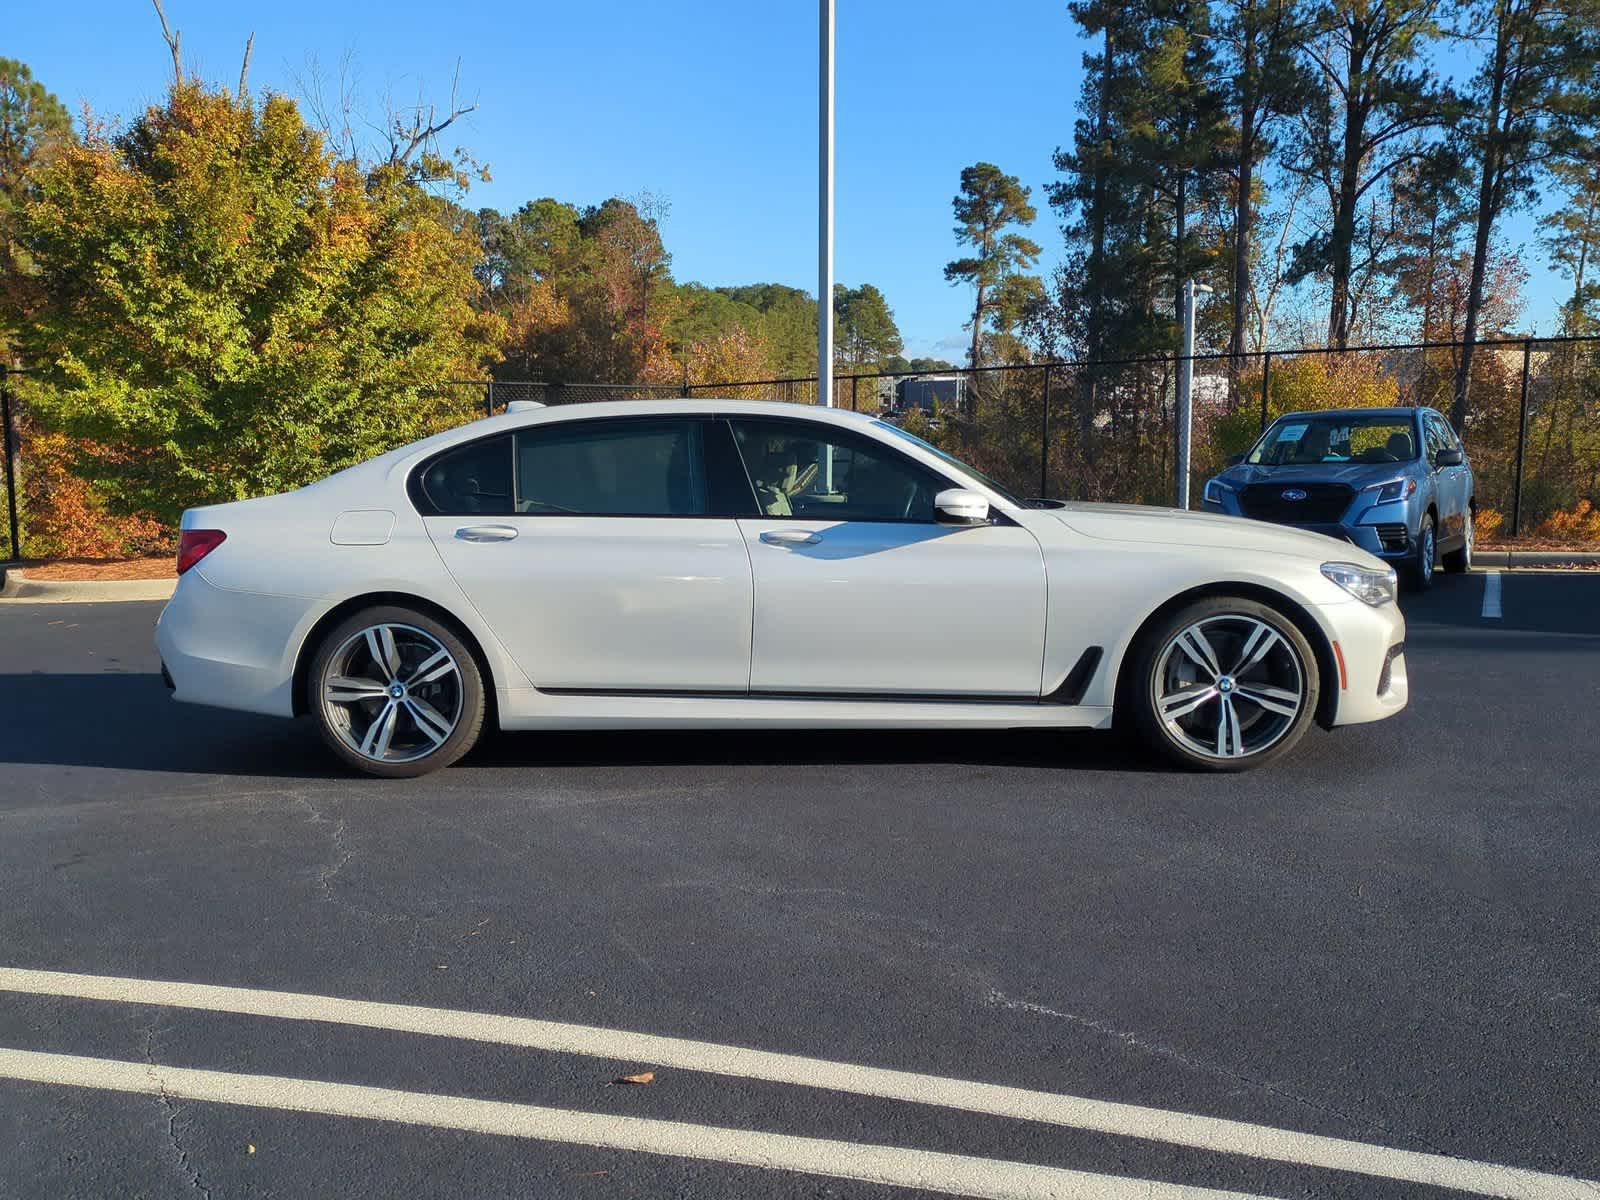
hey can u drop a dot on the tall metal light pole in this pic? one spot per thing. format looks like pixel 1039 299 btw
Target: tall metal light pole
pixel 825 208
pixel 1185 413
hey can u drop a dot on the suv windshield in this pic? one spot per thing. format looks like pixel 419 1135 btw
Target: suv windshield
pixel 1336 438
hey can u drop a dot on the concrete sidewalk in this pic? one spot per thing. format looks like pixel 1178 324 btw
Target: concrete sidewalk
pixel 15 585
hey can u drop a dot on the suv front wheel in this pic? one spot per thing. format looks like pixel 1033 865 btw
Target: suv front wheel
pixel 1424 558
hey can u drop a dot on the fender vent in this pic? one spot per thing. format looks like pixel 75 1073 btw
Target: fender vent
pixel 1077 681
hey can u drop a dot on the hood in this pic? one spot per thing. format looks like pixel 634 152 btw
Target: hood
pixel 1177 527
pixel 1356 475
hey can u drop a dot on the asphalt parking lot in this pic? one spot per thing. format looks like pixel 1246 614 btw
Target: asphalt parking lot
pixel 1386 944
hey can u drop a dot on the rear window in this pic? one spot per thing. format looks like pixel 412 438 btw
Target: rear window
pixel 474 479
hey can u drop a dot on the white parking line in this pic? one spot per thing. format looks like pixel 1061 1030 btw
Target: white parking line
pixel 1491 595
pixel 1077 1112
pixel 929 1170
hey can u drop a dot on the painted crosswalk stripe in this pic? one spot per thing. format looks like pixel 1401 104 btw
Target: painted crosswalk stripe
pixel 1491 596
pixel 955 1174
pixel 1077 1112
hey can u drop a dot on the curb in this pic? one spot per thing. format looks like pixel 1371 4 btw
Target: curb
pixel 1534 558
pixel 16 586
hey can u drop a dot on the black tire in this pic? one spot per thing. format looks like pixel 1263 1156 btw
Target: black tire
pixel 417 742
pixel 1419 568
pixel 1459 561
pixel 1228 623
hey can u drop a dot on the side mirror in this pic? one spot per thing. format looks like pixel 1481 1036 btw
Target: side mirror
pixel 1449 457
pixel 1235 459
pixel 957 506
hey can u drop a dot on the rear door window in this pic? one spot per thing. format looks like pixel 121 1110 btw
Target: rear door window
pixel 629 467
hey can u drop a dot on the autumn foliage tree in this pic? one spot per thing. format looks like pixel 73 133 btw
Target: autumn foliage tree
pixel 235 310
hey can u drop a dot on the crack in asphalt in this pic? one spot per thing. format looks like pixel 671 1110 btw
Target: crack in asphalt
pixel 998 999
pixel 172 1108
pixel 343 853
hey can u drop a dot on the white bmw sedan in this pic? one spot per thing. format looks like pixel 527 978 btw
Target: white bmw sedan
pixel 720 564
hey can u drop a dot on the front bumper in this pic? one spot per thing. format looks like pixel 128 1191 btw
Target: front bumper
pixel 1384 530
pixel 1369 649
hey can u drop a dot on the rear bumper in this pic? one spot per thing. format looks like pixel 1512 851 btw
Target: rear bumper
pixel 229 649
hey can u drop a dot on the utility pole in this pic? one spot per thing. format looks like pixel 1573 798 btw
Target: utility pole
pixel 1185 413
pixel 825 207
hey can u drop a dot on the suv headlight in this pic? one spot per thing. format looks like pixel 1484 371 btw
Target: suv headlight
pixel 1395 489
pixel 1371 587
pixel 1214 491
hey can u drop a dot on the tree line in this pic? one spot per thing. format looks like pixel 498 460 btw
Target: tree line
pixel 1370 150
pixel 235 292
pixel 232 294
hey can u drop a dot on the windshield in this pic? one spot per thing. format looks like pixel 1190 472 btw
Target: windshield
pixel 1336 438
pixel 958 464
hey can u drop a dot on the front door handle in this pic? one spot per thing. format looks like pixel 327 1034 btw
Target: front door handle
pixel 487 533
pixel 791 537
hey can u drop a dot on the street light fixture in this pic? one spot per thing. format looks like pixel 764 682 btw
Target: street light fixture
pixel 1185 413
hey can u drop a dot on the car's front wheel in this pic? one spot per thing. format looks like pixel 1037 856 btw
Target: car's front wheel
pixel 396 693
pixel 1419 570
pixel 1223 685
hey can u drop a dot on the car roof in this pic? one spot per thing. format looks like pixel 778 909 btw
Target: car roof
pixel 1394 410
pixel 674 406
pixel 410 453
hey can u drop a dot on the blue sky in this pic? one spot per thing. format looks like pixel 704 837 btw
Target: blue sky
pixel 711 104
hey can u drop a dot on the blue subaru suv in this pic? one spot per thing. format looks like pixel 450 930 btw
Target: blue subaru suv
pixel 1394 481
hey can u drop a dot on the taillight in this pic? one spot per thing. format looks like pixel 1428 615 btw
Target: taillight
pixel 195 544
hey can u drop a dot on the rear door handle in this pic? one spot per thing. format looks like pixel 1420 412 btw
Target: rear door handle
pixel 486 533
pixel 791 537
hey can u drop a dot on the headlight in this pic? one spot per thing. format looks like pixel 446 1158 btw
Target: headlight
pixel 1372 587
pixel 1395 489
pixel 1214 491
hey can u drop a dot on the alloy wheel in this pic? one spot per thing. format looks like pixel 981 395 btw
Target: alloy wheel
pixel 1229 686
pixel 392 693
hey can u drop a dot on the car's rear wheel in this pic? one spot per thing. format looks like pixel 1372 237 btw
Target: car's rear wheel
pixel 1419 570
pixel 1224 685
pixel 1461 559
pixel 396 693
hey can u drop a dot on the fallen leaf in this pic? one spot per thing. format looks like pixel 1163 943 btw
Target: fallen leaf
pixel 641 1077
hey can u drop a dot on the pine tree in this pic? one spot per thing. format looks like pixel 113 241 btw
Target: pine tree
pixel 989 204
pixel 1533 98
pixel 1374 96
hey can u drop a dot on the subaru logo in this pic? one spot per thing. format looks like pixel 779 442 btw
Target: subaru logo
pixel 1294 493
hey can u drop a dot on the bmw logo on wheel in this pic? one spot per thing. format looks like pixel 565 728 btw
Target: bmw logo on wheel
pixel 1294 493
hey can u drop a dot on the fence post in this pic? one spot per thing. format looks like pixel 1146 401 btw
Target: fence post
pixel 1044 440
pixel 488 400
pixel 854 379
pixel 1522 438
pixel 10 448
pixel 1266 386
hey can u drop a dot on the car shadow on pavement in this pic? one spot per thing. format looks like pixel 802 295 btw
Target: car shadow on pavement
pixel 1072 749
pixel 127 721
